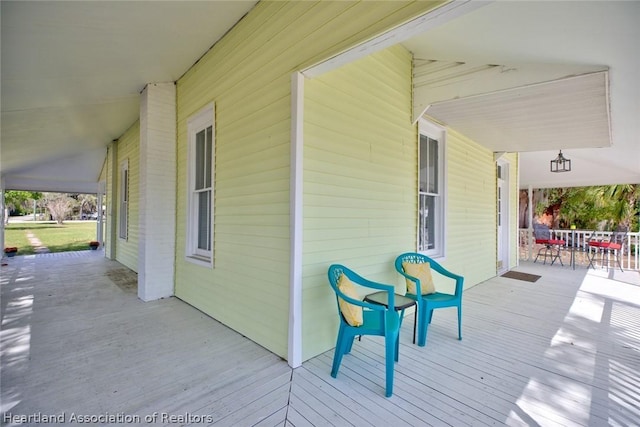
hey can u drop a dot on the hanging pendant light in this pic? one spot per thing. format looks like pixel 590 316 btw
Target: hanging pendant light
pixel 560 164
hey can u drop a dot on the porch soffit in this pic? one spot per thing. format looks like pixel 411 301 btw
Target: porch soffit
pixel 517 108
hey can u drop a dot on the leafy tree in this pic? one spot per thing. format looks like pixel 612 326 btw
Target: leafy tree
pixel 623 204
pixel 599 207
pixel 15 199
pixel 19 200
pixel 87 203
pixel 59 206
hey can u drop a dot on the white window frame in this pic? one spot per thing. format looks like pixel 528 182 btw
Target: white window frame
pixel 123 214
pixel 199 122
pixel 437 133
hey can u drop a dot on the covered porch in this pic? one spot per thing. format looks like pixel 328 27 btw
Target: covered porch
pixel 76 341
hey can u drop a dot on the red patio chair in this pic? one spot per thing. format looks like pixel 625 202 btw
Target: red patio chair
pixel 552 246
pixel 604 248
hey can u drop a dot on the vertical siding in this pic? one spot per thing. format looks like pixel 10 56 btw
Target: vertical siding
pixel 359 181
pixel 247 74
pixel 471 209
pixel 129 148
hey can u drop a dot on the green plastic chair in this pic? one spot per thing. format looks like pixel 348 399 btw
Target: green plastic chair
pixel 427 303
pixel 377 320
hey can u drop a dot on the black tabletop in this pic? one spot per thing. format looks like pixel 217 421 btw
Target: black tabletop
pixel 381 297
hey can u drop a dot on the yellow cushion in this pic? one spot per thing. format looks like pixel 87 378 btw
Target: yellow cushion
pixel 421 271
pixel 352 313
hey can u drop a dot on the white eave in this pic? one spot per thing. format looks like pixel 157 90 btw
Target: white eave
pixel 517 107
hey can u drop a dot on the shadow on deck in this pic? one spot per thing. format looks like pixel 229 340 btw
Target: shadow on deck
pixel 76 341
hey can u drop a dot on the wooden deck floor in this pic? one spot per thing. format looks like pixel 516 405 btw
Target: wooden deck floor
pixel 76 342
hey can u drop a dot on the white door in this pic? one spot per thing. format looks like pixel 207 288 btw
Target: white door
pixel 502 210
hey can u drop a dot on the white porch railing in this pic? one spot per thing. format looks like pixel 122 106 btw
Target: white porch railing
pixel 629 258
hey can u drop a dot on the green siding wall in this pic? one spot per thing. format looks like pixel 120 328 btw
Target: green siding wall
pixel 129 148
pixel 471 209
pixel 359 181
pixel 247 75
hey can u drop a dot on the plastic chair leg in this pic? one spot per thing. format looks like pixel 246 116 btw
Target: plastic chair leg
pixel 459 322
pixel 397 347
pixel 390 348
pixel 337 359
pixel 349 344
pixel 339 352
pixel 423 322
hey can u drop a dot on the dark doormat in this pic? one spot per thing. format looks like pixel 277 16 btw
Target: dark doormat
pixel 521 276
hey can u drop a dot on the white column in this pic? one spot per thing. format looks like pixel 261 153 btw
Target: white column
pixel 2 215
pixel 112 201
pixel 100 221
pixel 157 220
pixel 530 214
pixel 295 276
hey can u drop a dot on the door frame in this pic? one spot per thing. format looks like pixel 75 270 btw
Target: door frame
pixel 502 216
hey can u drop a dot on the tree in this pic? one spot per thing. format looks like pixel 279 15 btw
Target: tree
pixel 59 206
pixel 87 203
pixel 599 207
pixel 623 204
pixel 18 200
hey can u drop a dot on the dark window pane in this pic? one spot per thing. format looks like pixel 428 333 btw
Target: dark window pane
pixel 208 155
pixel 200 159
pixel 428 165
pixel 424 162
pixel 426 232
pixel 204 220
pixel 432 186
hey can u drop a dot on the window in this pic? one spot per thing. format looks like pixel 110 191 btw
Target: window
pixel 123 215
pixel 431 190
pixel 201 187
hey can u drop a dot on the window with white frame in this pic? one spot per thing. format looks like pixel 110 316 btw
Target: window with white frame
pixel 123 215
pixel 201 164
pixel 431 202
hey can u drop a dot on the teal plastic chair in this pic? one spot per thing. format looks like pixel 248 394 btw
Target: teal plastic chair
pixel 427 303
pixel 377 320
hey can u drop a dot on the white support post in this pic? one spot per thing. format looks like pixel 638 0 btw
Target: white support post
pixel 100 221
pixel 295 279
pixel 530 214
pixel 3 214
pixel 157 215
pixel 112 208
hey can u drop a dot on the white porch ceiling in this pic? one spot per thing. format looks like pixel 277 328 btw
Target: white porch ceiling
pixel 71 74
pixel 572 112
pixel 541 45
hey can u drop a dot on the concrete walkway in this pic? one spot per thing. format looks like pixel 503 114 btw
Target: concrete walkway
pixel 37 244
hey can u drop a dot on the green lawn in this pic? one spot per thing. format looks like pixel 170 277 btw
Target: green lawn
pixel 70 236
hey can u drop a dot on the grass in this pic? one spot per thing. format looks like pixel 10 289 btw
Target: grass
pixel 70 236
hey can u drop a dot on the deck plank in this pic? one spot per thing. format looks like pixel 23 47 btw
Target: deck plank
pixel 563 351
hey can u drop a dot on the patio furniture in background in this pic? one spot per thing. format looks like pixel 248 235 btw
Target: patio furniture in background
pixel 604 249
pixel 416 268
pixel 551 249
pixel 358 318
